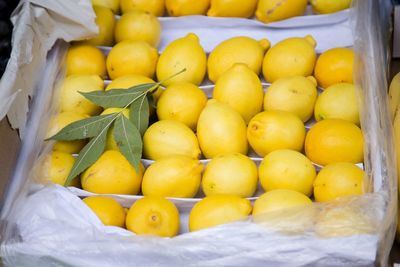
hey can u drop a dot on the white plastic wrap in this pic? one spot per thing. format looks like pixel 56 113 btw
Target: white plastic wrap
pixel 50 226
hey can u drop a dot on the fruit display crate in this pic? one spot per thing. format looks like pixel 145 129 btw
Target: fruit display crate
pixel 38 220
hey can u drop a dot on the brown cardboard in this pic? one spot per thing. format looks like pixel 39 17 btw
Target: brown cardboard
pixel 9 148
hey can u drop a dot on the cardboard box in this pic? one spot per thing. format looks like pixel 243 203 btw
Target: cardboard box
pixel 9 148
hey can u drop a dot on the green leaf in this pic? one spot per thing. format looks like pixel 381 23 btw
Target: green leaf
pixel 129 141
pixel 139 114
pixel 89 154
pixel 118 98
pixel 85 128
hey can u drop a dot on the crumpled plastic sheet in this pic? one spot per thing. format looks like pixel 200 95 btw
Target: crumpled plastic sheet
pixel 38 24
pixel 61 230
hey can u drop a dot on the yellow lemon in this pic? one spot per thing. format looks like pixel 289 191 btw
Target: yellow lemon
pixel 169 138
pixel 287 169
pixel 72 100
pixel 334 66
pixel 232 8
pixel 344 220
pixel 182 101
pixel 279 199
pixel 240 88
pixel 155 7
pixel 218 209
pixel 110 141
pixel 138 25
pixel 338 180
pixel 230 174
pixel 86 59
pixel 327 6
pixel 175 176
pixel 334 140
pixel 105 20
pixel 221 130
pixel 295 94
pixel 290 57
pixel 176 8
pixel 183 53
pixel 59 122
pixel 153 216
pixel 109 211
pixel 56 168
pixel 273 130
pixel 132 57
pixel 110 4
pixel 275 10
pixel 239 49
pixel 338 101
pixel 112 174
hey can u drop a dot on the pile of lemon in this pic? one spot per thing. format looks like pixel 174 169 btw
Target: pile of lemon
pixel 265 127
pixel 264 10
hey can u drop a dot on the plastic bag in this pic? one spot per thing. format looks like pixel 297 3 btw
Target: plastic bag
pixel 49 226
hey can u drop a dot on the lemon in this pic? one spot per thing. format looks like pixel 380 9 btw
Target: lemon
pixel 218 209
pixel 279 199
pixel 105 20
pixel 138 25
pixel 130 80
pixel 230 174
pixel 109 211
pixel 275 10
pixel 56 168
pixel 155 7
pixel 327 6
pixel 221 130
pixel 232 8
pixel 176 8
pixel 334 140
pixel 112 174
pixel 295 94
pixel 285 211
pixel 273 130
pixel 111 4
pixel 240 88
pixel 290 57
pixel 334 66
pixel 287 169
pixel 240 49
pixel 153 216
pixel 342 221
pixel 338 101
pixel 86 59
pixel 110 141
pixel 183 53
pixel 60 121
pixel 182 101
pixel 169 138
pixel 175 176
pixel 72 100
pixel 338 180
pixel 132 57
